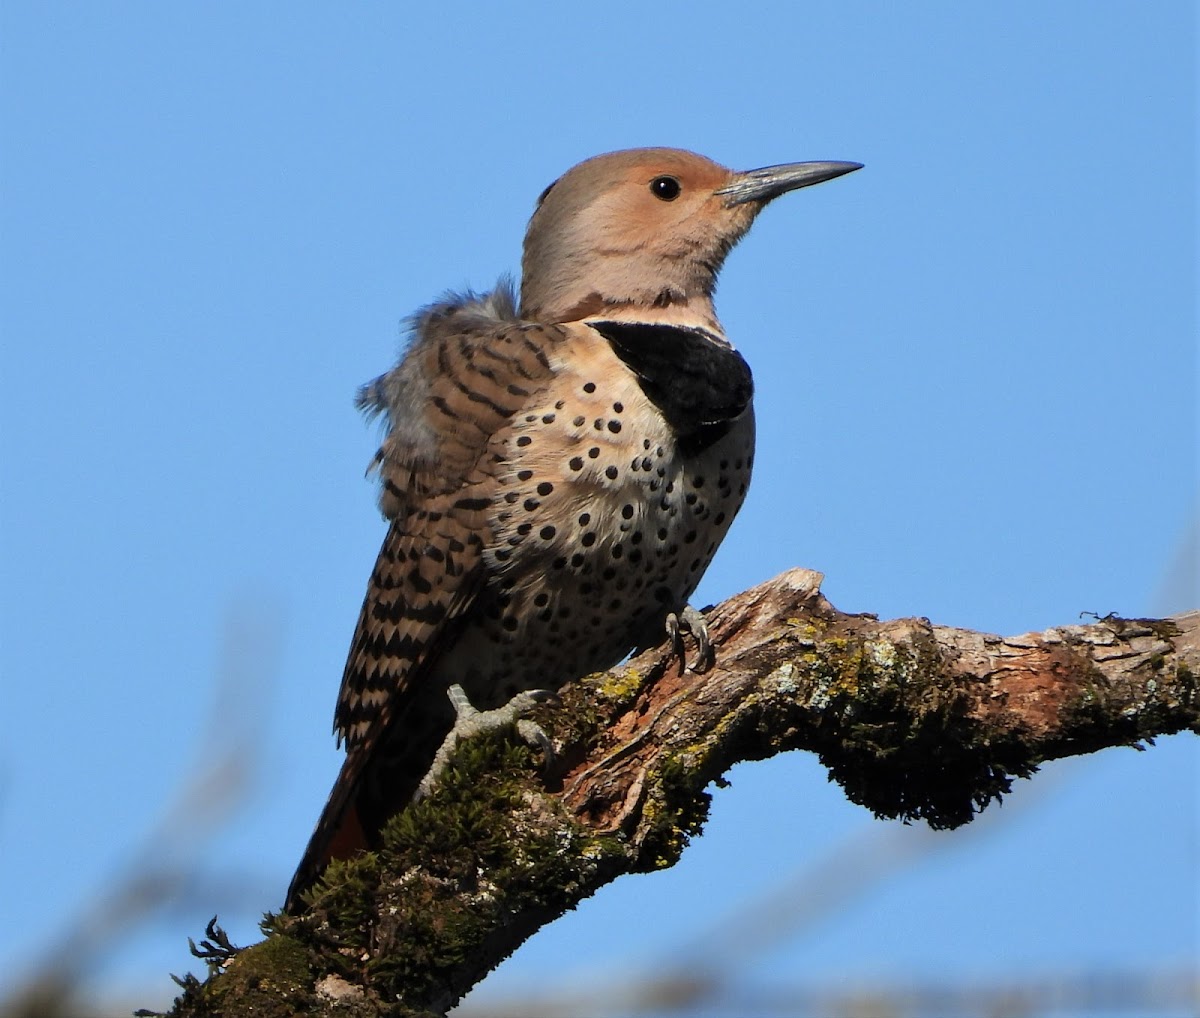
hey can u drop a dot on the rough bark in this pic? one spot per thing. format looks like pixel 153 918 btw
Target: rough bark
pixel 914 720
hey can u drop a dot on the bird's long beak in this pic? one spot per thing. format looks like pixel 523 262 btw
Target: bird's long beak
pixel 772 181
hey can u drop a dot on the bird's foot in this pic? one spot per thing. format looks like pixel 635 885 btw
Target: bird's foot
pixel 689 620
pixel 470 723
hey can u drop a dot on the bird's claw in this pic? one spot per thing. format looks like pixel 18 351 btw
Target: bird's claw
pixel 689 620
pixel 470 723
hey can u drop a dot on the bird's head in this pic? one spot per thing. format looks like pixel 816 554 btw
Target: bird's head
pixel 644 231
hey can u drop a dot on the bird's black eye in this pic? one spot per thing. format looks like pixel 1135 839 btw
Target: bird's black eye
pixel 666 188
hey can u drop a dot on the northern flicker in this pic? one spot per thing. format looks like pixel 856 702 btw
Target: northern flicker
pixel 556 475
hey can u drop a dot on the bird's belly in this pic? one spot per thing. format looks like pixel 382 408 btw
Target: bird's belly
pixel 583 571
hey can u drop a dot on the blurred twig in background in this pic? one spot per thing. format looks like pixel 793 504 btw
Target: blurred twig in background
pixel 1133 993
pixel 162 872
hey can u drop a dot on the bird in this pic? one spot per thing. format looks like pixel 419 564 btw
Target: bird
pixel 558 468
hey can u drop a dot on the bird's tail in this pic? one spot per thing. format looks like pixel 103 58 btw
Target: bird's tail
pixel 339 834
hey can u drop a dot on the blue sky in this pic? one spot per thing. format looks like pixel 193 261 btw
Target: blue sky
pixel 976 391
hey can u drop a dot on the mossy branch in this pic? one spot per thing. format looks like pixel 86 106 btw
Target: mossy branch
pixel 915 721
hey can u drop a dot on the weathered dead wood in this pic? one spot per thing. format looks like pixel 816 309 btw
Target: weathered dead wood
pixel 914 720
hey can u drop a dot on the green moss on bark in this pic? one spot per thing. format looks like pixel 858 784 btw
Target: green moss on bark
pixel 892 734
pixel 453 872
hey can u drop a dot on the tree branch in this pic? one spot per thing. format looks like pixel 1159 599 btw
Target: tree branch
pixel 915 721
